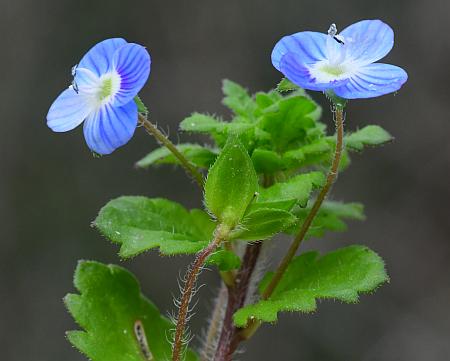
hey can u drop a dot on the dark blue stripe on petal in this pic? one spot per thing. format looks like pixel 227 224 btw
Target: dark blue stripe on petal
pixel 132 62
pixel 99 57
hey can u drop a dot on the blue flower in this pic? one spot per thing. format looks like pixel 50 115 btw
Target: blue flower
pixel 342 63
pixel 105 83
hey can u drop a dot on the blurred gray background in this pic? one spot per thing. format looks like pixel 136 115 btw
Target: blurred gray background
pixel 51 187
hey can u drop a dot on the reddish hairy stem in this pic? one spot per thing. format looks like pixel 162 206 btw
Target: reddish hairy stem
pixel 186 296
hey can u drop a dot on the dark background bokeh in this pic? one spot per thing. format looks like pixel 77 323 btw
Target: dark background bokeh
pixel 51 187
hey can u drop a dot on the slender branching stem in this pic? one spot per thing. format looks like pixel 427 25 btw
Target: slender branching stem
pixel 331 177
pixel 228 342
pixel 161 138
pixel 188 290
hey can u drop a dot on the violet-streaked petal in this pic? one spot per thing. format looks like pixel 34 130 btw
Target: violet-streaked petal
pixel 68 111
pixel 293 69
pixel 99 58
pixel 368 40
pixel 110 127
pixel 132 63
pixel 373 80
pixel 309 46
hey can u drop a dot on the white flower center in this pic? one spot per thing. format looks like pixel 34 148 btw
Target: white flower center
pixel 109 85
pixel 97 90
pixel 332 69
pixel 337 66
pixel 325 71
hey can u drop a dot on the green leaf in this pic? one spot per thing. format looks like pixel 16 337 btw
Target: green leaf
pixel 331 217
pixel 371 135
pixel 201 157
pixel 313 153
pixel 139 224
pixel 218 130
pixel 345 160
pixel 225 260
pixel 231 184
pixel 140 105
pixel 286 85
pixel 109 307
pixel 297 188
pixel 265 100
pixel 201 123
pixel 285 205
pixel 238 99
pixel 288 121
pixel 263 223
pixel 340 275
pixel 267 161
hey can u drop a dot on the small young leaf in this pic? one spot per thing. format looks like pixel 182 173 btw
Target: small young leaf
pixel 265 100
pixel 142 109
pixel 201 123
pixel 263 223
pixel 313 153
pixel 110 308
pixel 288 121
pixel 370 135
pixel 201 157
pixel 331 218
pixel 267 161
pixel 139 224
pixel 297 188
pixel 225 260
pixel 286 85
pixel 231 184
pixel 238 99
pixel 285 205
pixel 341 275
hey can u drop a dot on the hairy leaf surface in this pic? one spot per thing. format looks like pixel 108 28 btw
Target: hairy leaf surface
pixel 262 223
pixel 330 218
pixel 371 135
pixel 139 224
pixel 296 189
pixel 108 308
pixel 198 155
pixel 340 275
pixel 231 184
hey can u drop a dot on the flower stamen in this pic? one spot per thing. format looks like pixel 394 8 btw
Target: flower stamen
pixel 109 85
pixel 105 89
pixel 335 70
